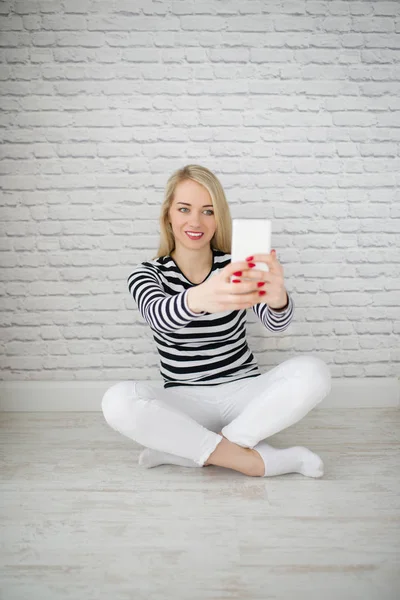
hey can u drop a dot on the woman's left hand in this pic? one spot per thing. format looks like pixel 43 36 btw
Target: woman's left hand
pixel 276 296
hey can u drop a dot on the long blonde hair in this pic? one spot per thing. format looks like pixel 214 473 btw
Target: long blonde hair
pixel 222 238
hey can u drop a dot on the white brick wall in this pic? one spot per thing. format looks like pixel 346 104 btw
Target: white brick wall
pixel 295 105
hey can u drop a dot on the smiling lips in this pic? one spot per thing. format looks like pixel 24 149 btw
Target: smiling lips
pixel 194 235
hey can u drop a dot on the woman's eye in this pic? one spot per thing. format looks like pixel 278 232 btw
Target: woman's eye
pixel 183 208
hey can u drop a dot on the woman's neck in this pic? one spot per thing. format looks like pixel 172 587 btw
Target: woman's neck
pixel 195 265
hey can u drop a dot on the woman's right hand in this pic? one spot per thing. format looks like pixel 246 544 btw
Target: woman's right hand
pixel 218 294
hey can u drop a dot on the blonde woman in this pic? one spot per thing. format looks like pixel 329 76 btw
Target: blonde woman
pixel 216 407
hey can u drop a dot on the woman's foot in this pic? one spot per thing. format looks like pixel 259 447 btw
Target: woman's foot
pixel 231 456
pixel 298 459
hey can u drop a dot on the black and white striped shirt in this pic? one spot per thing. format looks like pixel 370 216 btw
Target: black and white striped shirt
pixel 197 348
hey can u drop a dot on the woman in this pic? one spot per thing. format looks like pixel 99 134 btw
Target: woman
pixel 216 407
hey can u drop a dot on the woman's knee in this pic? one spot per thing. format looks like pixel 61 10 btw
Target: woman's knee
pixel 117 402
pixel 317 373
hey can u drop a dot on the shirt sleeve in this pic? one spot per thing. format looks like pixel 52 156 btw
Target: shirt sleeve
pixel 273 320
pixel 163 312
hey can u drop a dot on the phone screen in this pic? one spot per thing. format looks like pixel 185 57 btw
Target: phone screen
pixel 249 237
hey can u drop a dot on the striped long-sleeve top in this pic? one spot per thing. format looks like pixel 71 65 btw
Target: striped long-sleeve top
pixel 197 348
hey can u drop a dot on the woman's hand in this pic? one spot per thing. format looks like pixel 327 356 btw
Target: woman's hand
pixel 276 296
pixel 218 294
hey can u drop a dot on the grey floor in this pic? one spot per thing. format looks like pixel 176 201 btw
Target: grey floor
pixel 80 519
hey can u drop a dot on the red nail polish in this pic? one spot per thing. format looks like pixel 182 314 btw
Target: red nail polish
pixel 250 258
pixel 260 283
pixel 251 265
pixel 261 293
pixel 238 273
pixel 236 281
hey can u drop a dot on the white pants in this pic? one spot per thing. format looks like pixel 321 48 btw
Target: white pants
pixel 186 420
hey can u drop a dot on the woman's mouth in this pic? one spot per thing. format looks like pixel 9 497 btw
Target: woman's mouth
pixel 193 235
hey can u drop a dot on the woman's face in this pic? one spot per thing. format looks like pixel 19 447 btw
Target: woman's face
pixel 192 211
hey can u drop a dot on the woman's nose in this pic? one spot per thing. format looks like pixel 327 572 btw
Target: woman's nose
pixel 195 222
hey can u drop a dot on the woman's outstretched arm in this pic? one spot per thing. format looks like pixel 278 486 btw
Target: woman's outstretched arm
pixel 163 312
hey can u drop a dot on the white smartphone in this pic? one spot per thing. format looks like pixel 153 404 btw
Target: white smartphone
pixel 249 237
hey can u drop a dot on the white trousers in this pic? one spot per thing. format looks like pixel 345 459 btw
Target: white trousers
pixel 186 420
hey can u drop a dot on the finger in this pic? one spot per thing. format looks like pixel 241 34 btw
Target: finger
pixel 242 300
pixel 240 266
pixel 266 277
pixel 275 259
pixel 269 259
pixel 244 287
pixel 259 275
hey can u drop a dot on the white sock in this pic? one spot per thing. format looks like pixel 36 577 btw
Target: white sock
pixel 289 460
pixel 152 458
pixel 278 461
